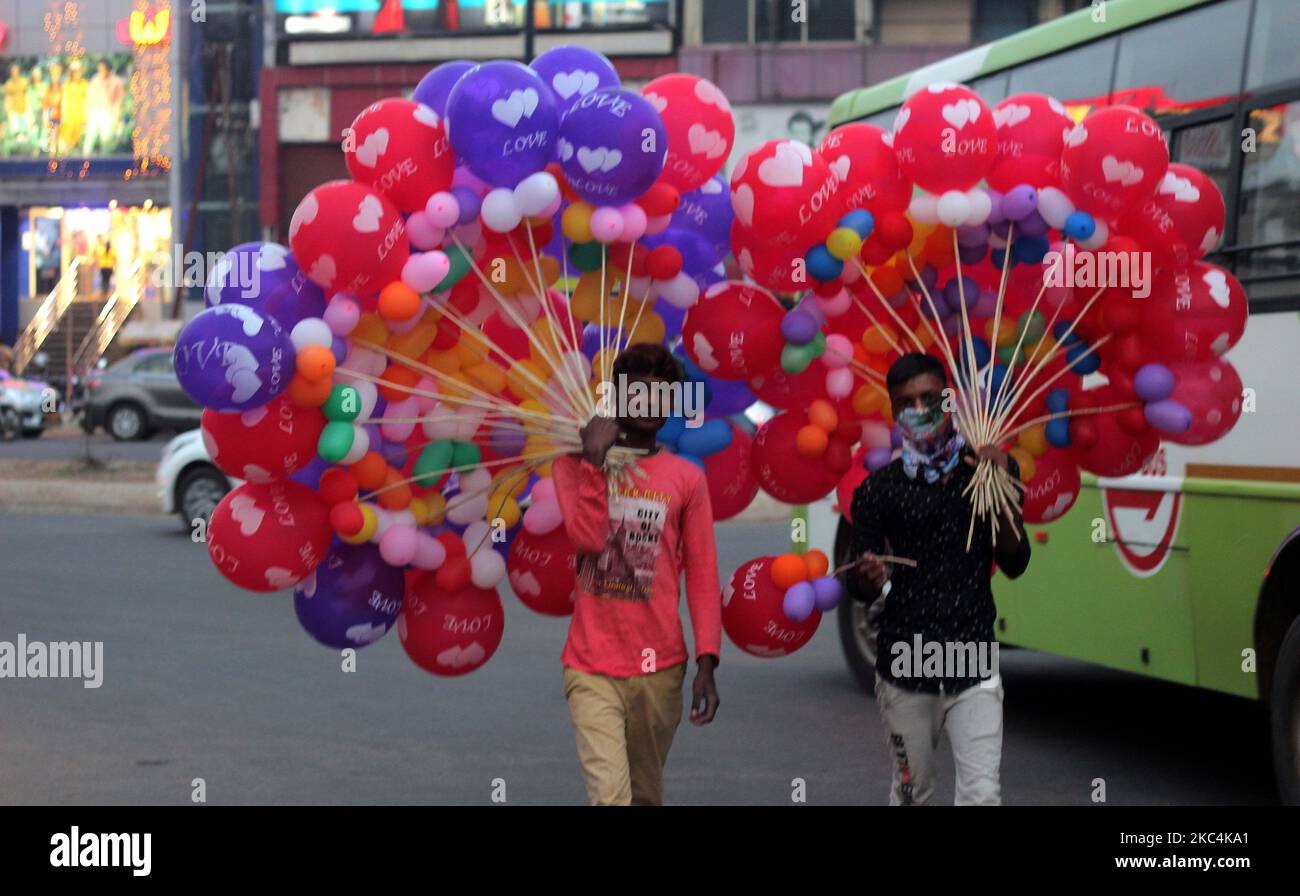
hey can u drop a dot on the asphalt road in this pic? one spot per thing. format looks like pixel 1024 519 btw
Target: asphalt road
pixel 204 681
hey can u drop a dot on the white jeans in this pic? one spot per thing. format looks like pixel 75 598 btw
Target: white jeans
pixel 913 722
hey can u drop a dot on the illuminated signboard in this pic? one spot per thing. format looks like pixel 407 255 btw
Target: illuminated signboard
pixel 67 106
pixel 145 29
pixel 362 17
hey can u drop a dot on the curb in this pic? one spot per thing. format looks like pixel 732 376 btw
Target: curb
pixel 73 496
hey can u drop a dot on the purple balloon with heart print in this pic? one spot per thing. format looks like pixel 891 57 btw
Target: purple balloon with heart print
pixel 612 146
pixel 266 278
pixel 502 121
pixel 572 72
pixel 231 358
pixel 435 87
pixel 708 212
pixel 352 599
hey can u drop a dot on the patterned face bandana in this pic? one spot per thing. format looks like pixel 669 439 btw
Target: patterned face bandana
pixel 931 444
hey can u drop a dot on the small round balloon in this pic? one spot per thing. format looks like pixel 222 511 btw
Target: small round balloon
pixel 753 617
pixel 230 358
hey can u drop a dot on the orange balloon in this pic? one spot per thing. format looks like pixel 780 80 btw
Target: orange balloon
pixel 817 563
pixel 371 328
pixel 398 496
pixel 371 471
pixel 867 400
pixel 811 441
pixel 398 375
pixel 879 338
pixel 821 413
pixel 787 570
pixel 315 362
pixel 398 302
pixel 887 280
pixel 307 393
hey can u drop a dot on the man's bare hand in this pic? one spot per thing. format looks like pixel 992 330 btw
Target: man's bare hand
pixel 872 568
pixel 598 436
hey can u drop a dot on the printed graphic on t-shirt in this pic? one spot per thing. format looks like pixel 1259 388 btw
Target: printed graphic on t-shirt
pixel 626 568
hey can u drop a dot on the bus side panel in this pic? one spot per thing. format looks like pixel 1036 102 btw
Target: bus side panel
pixel 1079 599
pixel 1235 537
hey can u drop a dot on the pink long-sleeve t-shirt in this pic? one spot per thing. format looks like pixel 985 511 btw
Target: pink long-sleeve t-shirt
pixel 632 547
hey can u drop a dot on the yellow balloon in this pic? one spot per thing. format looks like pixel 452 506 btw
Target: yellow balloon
pixel 1026 462
pixel 576 222
pixel 447 362
pixel 371 328
pixel 1034 440
pixel 370 522
pixel 487 377
pixel 506 510
pixel 416 341
pixel 1007 334
pixel 844 243
pixel 649 329
pixel 520 379
pixel 435 505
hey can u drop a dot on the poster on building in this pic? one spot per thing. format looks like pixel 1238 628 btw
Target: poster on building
pixel 67 106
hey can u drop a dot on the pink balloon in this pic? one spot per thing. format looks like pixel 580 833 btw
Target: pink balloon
pixel 634 222
pixel 543 491
pixel 342 314
pixel 429 552
pixel 398 545
pixel 404 411
pixel 423 233
pixel 606 224
pixel 425 270
pixel 442 210
pixel 542 518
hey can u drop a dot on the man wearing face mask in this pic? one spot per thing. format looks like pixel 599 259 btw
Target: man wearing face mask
pixel 936 664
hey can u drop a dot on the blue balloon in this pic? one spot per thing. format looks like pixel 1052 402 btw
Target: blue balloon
pixel 503 122
pixel 727 397
pixel 822 265
pixel 1080 362
pixel 799 602
pixel 1058 433
pixel 230 358
pixel 981 348
pixel 672 430
pixel 571 72
pixel 1080 226
pixel 1058 401
pixel 353 597
pixel 1059 330
pixel 435 88
pixel 709 437
pixel 266 278
pixel 1030 249
pixel 707 213
pixel 860 221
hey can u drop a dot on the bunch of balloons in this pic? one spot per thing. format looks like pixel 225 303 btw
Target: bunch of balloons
pixel 806 583
pixel 394 384
pixel 1052 261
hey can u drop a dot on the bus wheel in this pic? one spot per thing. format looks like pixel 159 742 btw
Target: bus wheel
pixel 1284 706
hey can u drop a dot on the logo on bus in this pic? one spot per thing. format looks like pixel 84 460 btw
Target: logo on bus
pixel 1144 522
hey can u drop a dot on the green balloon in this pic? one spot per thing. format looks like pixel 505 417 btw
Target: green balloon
pixel 335 441
pixel 465 454
pixel 586 256
pixel 433 462
pixel 818 345
pixel 344 404
pixel 796 358
pixel 1005 354
pixel 1033 326
pixel 460 265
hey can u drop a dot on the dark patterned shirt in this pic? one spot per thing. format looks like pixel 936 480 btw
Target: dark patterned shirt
pixel 946 600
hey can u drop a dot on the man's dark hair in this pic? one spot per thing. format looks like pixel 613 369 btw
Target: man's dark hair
pixel 912 365
pixel 649 359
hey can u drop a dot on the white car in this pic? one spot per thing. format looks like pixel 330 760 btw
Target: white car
pixel 189 483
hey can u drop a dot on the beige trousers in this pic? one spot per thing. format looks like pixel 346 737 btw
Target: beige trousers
pixel 913 722
pixel 624 728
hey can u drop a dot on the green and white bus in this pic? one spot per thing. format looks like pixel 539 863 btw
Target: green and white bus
pixel 1197 577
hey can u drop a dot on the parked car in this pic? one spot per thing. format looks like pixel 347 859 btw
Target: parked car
pixel 138 395
pixel 189 483
pixel 23 404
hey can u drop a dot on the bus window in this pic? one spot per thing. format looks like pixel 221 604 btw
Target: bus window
pixel 1075 74
pixel 1208 147
pixel 992 89
pixel 1269 210
pixel 1193 56
pixel 1273 56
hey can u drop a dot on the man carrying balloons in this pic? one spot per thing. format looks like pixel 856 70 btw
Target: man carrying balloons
pixel 936 666
pixel 625 657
